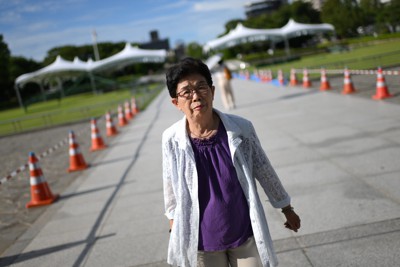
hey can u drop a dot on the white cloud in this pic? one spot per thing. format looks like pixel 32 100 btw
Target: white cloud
pixel 9 17
pixel 180 20
pixel 218 5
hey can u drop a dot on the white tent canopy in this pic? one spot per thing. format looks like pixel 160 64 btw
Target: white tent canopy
pixel 64 68
pixel 293 28
pixel 128 56
pixel 243 34
pixel 61 67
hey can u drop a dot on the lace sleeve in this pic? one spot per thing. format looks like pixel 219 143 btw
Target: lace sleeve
pixel 169 196
pixel 265 173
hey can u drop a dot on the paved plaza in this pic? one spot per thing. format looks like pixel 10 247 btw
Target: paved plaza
pixel 337 155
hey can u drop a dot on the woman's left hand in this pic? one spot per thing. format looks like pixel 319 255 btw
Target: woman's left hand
pixel 292 220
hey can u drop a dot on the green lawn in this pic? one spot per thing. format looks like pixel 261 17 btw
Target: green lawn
pixel 385 53
pixel 71 109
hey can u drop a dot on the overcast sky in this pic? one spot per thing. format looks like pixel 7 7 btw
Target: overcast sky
pixel 32 27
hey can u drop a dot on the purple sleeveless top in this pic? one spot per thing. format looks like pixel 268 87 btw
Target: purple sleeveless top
pixel 224 212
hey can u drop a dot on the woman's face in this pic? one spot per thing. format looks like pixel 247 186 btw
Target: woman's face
pixel 194 97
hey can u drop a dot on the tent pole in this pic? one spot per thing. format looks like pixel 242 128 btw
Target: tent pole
pixel 42 90
pixel 18 96
pixel 60 84
pixel 287 48
pixel 92 82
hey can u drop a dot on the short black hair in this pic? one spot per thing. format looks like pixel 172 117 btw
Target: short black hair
pixel 183 68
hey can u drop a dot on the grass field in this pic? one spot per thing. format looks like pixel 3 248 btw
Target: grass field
pixel 71 109
pixel 378 54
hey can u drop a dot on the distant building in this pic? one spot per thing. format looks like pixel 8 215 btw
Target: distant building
pixel 155 42
pixel 256 8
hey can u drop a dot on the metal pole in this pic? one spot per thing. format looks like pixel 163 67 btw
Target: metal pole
pixel 42 90
pixel 92 82
pixel 95 48
pixel 60 86
pixel 18 96
pixel 287 48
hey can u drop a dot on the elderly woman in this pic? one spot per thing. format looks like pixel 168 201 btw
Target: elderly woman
pixel 211 162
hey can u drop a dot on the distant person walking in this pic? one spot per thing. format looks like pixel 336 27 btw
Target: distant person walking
pixel 224 76
pixel 211 162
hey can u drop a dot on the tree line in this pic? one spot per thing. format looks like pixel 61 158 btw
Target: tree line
pixel 351 18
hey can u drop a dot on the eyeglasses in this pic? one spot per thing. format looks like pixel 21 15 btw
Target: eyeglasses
pixel 188 92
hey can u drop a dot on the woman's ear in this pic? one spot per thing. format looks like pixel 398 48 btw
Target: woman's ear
pixel 174 101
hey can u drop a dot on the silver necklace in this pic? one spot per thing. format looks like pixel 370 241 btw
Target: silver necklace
pixel 192 134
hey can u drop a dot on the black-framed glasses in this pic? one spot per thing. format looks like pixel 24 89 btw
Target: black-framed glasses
pixel 187 93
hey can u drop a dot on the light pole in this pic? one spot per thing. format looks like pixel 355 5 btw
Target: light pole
pixel 95 49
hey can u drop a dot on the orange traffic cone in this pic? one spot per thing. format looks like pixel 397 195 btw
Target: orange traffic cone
pixel 264 76
pixel 306 80
pixel 128 112
pixel 76 160
pixel 280 78
pixel 325 85
pixel 381 88
pixel 97 140
pixel 40 191
pixel 348 87
pixel 293 77
pixel 257 73
pixel 111 130
pixel 134 106
pixel 121 117
pixel 247 74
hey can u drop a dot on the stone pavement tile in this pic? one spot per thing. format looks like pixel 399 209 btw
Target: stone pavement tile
pixel 329 136
pixel 374 162
pixel 293 258
pixel 62 240
pixel 349 146
pixel 292 155
pixel 363 230
pixel 388 184
pixel 68 224
pixel 370 244
pixel 65 255
pixel 143 210
pixel 286 245
pixel 142 191
pixel 139 250
pixel 324 208
pixel 381 125
pixel 392 135
pixel 79 204
pixel 279 143
pixel 376 250
pixel 300 123
pixel 300 177
pixel 136 226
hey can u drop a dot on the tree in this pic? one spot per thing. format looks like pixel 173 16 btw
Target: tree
pixel 194 50
pixel 299 11
pixel 5 83
pixel 303 12
pixel 389 15
pixel 344 15
pixel 230 25
pixel 84 52
pixel 19 66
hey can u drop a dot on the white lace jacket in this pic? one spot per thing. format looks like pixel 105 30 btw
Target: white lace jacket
pixel 181 191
